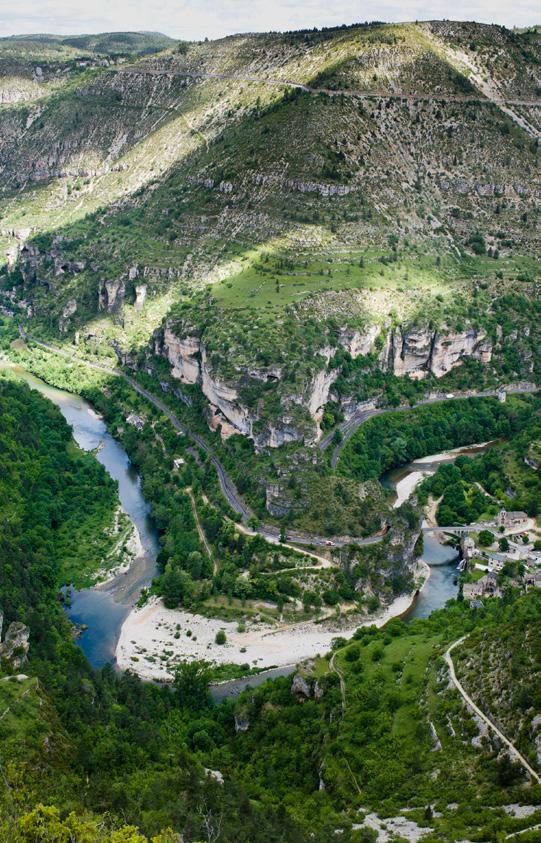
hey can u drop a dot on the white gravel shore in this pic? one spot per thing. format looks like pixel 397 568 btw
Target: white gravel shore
pixel 153 639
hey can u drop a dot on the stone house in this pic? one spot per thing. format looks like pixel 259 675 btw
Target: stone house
pixel 487 586
pixel 511 520
pixel 533 578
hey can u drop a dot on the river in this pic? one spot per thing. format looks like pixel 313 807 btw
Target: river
pixel 103 608
pixel 442 559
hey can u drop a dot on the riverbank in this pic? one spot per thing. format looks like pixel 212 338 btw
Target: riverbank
pixel 154 639
pixel 405 480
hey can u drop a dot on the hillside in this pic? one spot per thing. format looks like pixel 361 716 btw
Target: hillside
pixel 253 209
pixel 501 672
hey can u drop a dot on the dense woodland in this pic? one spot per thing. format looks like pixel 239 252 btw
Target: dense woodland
pixel 391 440
pixel 472 489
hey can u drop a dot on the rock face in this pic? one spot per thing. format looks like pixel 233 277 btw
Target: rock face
pixel 417 352
pixel 300 687
pixel 15 646
pixel 67 312
pixel 191 365
pixel 242 721
pixel 359 342
pixel 305 687
pixel 140 295
pixel 406 352
pixel 111 295
pixel 184 355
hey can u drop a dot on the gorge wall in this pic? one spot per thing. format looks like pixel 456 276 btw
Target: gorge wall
pixel 406 352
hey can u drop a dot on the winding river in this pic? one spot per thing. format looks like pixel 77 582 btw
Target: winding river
pixel 103 608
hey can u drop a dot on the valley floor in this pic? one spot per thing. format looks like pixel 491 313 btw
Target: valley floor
pixel 154 639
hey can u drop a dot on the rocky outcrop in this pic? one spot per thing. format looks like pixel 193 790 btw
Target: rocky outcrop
pixel 305 686
pixel 276 502
pixel 412 352
pixel 216 775
pixel 69 309
pixel 15 646
pixel 319 394
pixel 226 398
pixel 191 365
pixel 140 295
pixel 218 421
pixel 417 352
pixel 449 350
pixel 184 354
pixel 242 720
pixel 300 687
pixel 359 343
pixel 111 294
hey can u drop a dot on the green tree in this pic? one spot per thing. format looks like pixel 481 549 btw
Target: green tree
pixel 192 681
pixel 486 538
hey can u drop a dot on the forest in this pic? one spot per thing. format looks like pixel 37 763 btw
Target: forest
pixel 391 440
pixel 476 488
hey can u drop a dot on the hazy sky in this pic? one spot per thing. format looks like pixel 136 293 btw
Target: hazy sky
pixel 195 19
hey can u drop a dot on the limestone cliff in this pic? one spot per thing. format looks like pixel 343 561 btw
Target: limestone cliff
pixel 412 352
pixel 191 364
pixel 417 352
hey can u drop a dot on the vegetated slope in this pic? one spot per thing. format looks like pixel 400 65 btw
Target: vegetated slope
pixel 386 442
pixel 506 476
pixel 32 67
pixel 393 737
pixel 295 766
pixel 58 503
pixel 501 671
pixel 381 210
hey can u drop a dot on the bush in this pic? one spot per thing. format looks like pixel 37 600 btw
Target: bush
pixel 352 653
pixel 486 538
pixel 221 637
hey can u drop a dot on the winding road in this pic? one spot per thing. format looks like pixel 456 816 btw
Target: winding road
pixel 483 96
pixel 331 92
pixel 514 751
pixel 349 427
pixel 229 490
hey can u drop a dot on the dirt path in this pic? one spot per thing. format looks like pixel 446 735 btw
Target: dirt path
pixel 201 532
pixel 333 666
pixel 520 758
pixel 325 562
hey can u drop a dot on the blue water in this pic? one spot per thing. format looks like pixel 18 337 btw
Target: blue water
pixel 442 585
pixel 103 609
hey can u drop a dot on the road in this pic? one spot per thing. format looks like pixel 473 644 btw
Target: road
pixel 346 92
pixel 348 428
pixel 514 751
pixel 229 490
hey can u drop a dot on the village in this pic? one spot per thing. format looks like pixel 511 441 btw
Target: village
pixel 504 553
